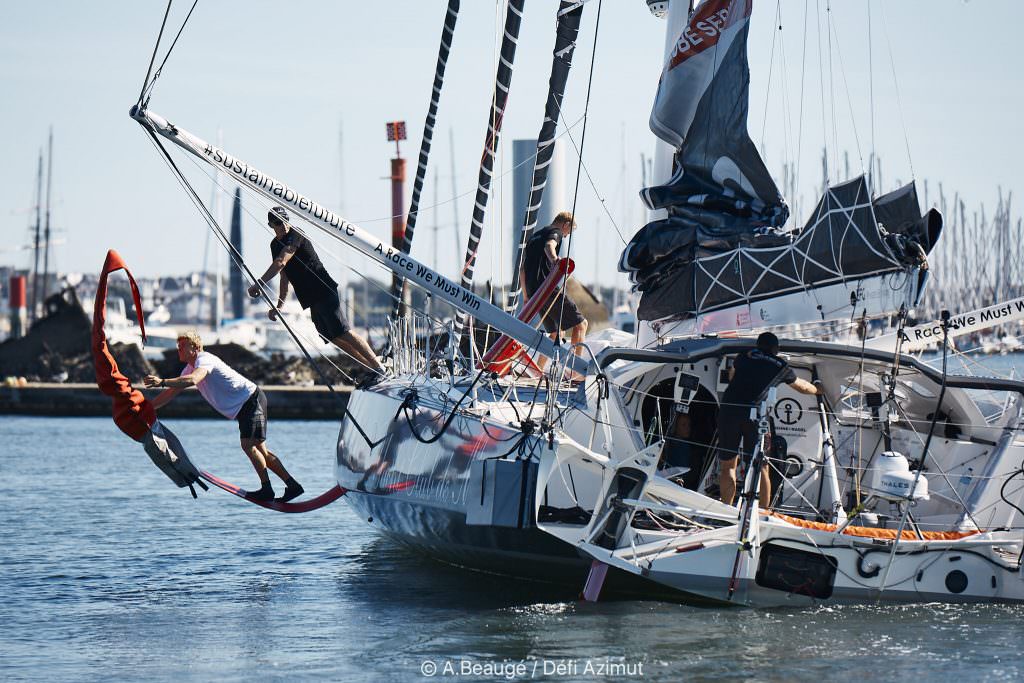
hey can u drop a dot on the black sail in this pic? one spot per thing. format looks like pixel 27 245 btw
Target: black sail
pixel 566 30
pixel 447 34
pixel 503 78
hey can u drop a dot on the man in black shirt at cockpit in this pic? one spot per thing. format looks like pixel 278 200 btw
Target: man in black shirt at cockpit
pixel 752 373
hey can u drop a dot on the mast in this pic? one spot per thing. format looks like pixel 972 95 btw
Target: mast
pixel 513 20
pixel 463 299
pixel 566 31
pixel 447 33
pixel 35 244
pixel 46 233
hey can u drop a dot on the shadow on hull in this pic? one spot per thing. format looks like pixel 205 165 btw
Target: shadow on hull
pixel 543 568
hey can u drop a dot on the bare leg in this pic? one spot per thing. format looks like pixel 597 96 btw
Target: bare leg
pixel 273 463
pixel 542 360
pixel 727 480
pixel 359 349
pixel 764 497
pixel 578 333
pixel 251 449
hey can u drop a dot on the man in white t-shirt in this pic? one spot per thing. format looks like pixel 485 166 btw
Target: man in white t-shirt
pixel 234 397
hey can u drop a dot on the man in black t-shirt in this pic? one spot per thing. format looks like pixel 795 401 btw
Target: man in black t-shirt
pixel 298 265
pixel 752 373
pixel 540 255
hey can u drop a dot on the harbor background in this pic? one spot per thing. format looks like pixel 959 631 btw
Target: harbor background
pixel 109 572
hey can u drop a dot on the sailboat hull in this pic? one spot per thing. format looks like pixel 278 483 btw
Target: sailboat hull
pixel 423 495
pixel 420 492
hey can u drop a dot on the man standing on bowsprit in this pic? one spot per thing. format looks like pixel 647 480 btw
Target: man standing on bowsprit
pixel 752 373
pixel 298 265
pixel 540 255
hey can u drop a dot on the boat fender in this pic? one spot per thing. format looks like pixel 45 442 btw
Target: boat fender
pixel 865 569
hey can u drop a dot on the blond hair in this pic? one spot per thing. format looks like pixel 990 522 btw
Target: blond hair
pixel 192 335
pixel 564 218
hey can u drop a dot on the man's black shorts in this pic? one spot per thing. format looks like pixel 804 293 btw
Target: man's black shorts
pixel 734 426
pixel 252 418
pixel 327 317
pixel 562 314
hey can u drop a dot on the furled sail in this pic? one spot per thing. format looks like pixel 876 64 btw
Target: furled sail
pixel 720 248
pixel 720 181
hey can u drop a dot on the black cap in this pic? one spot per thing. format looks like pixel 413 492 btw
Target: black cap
pixel 278 214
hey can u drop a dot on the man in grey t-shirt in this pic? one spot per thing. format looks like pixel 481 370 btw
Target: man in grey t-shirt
pixel 234 397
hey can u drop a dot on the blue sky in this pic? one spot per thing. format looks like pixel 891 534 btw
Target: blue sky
pixel 278 80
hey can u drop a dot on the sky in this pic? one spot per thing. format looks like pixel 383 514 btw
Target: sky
pixel 302 91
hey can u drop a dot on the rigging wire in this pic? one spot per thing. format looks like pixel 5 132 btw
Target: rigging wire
pixel 583 138
pixel 871 95
pixel 771 72
pixel 899 98
pixel 846 87
pixel 800 121
pixel 156 48
pixel 160 69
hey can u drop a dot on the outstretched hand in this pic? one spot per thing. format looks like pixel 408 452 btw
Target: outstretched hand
pixel 151 381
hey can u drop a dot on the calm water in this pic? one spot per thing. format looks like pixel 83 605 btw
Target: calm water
pixel 109 572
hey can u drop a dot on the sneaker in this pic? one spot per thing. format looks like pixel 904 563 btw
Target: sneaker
pixel 293 490
pixel 264 495
pixel 372 379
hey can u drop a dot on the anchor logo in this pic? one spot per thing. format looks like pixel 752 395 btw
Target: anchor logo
pixel 788 411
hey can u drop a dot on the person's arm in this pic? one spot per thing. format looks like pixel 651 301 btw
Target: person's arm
pixel 164 397
pixel 804 387
pixel 175 383
pixel 550 251
pixel 282 296
pixel 276 266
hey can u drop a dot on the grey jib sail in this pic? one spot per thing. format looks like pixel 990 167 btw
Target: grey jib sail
pixel 720 245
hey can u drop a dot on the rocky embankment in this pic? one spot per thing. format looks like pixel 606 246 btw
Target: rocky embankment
pixel 57 349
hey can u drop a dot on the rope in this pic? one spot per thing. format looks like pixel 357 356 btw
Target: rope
pixel 410 398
